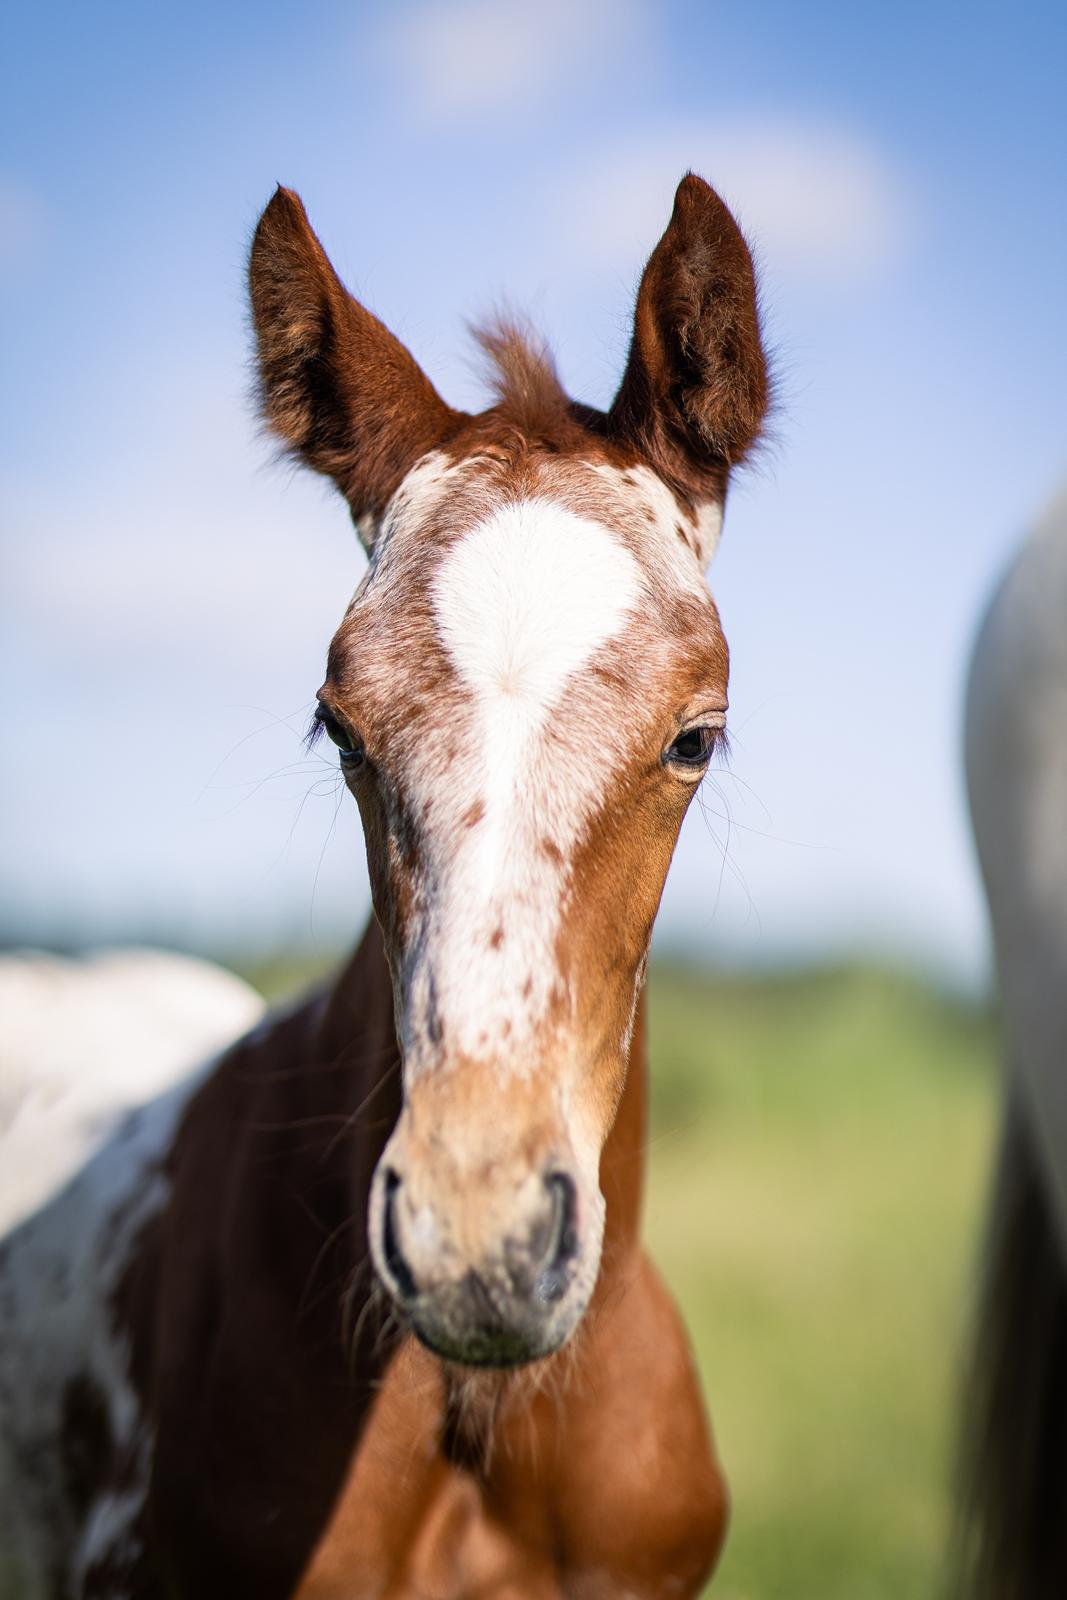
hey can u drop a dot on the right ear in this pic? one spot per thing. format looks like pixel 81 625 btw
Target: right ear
pixel 695 390
pixel 335 385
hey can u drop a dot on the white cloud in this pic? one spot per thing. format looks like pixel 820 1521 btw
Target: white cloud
pixel 460 58
pixel 814 199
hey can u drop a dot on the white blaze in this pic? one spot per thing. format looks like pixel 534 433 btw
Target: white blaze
pixel 522 603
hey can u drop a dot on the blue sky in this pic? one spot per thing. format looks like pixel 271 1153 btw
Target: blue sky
pixel 168 596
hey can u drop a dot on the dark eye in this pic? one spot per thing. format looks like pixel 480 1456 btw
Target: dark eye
pixel 348 748
pixel 692 748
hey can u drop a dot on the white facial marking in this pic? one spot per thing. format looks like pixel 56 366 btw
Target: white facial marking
pixel 642 487
pixel 413 501
pixel 522 603
pixel 708 531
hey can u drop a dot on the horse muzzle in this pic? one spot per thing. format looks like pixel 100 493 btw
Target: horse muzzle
pixel 496 1276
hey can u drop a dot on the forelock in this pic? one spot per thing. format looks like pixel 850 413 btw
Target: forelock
pixel 522 375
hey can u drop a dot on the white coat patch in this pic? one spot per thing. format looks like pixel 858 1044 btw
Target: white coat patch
pixel 89 1042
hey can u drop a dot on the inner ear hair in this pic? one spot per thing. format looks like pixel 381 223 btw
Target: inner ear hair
pixel 696 387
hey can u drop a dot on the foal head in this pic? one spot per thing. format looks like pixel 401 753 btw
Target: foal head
pixel 525 692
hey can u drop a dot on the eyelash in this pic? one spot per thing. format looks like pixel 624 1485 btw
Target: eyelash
pixel 351 756
pixel 320 721
pixel 717 744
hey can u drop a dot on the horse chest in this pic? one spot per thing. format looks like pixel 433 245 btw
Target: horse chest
pixel 407 1522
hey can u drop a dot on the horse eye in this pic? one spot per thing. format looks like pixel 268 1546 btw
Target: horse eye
pixel 692 748
pixel 350 753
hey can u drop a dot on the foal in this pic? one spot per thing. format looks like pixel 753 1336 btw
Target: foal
pixel 524 694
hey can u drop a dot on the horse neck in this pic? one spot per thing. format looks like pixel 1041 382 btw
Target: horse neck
pixel 622 1163
pixel 321 1087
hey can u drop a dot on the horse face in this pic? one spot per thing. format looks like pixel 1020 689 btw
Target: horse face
pixel 525 692
pixel 526 689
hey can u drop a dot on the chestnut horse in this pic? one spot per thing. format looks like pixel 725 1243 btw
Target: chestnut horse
pixel 203 1394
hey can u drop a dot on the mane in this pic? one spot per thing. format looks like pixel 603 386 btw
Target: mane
pixel 523 377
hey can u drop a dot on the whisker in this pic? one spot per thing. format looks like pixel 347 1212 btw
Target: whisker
pixel 340 792
pixel 375 1088
pixel 303 1304
pixel 273 720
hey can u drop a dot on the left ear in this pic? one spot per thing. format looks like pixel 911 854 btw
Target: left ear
pixel 695 390
pixel 336 387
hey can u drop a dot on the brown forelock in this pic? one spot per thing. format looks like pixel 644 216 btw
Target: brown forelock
pixel 523 376
pixel 696 387
pixel 335 386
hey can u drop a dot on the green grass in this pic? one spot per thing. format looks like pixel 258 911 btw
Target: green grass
pixel 819 1154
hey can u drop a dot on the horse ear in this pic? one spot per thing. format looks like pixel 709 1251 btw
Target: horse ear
pixel 695 389
pixel 339 390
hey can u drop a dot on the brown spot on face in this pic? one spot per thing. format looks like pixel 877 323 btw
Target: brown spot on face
pixel 608 676
pixel 474 814
pixel 496 938
pixel 683 536
pixel 551 850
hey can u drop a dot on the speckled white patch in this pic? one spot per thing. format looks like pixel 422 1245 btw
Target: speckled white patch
pixel 522 602
pixel 59 1268
pixel 413 501
pixel 682 543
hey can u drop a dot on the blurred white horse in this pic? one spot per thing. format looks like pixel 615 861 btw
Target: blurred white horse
pixel 1015 1457
pixel 84 1042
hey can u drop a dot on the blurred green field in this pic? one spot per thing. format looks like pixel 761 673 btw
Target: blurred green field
pixel 819 1156
pixel 819 1152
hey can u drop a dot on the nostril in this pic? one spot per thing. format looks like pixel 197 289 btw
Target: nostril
pixel 563 1246
pixel 394 1260
pixel 566 1202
